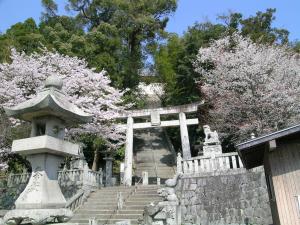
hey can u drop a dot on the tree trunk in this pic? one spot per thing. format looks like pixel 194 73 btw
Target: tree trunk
pixel 95 166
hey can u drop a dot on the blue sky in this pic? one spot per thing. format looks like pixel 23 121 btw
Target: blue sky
pixel 188 12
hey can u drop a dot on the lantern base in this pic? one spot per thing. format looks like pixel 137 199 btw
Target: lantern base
pixel 37 216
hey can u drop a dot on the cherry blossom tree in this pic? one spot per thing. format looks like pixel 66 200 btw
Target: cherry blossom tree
pixel 251 87
pixel 88 89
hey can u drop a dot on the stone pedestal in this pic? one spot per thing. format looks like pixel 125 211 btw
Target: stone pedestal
pixel 108 171
pixel 42 190
pixel 212 150
pixel 42 198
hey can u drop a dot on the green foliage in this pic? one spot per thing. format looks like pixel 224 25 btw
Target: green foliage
pixel 174 60
pixel 120 153
pixel 50 9
pixel 91 143
pixel 16 163
pixel 119 157
pixel 23 36
pixel 258 28
pixel 137 24
pixel 296 46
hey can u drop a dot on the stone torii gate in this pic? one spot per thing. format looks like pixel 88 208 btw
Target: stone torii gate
pixel 154 114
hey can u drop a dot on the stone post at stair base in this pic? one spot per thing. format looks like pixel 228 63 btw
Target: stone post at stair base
pixel 145 178
pixel 108 171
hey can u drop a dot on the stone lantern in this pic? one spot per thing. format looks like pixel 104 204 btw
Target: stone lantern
pixel 49 113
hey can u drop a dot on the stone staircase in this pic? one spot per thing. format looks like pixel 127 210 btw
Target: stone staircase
pixel 102 204
pixel 152 154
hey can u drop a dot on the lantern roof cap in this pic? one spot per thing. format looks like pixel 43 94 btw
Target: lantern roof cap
pixel 50 101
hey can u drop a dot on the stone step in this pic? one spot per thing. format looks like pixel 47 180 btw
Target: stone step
pixel 104 191
pixel 113 205
pixel 138 192
pixel 146 192
pixel 135 203
pixel 115 201
pixel 114 190
pixel 153 167
pixel 153 170
pixel 134 207
pixel 103 221
pixel 98 207
pixel 155 176
pixel 107 216
pixel 147 187
pixel 153 173
pixel 107 203
pixel 96 211
pixel 162 168
pixel 146 157
pixel 88 211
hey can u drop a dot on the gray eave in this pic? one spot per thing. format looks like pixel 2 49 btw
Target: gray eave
pixel 50 101
pixel 269 137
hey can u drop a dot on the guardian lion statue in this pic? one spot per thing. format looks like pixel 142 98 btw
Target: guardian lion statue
pixel 211 137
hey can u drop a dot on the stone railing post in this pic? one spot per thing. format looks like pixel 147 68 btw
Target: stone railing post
pixel 85 178
pixel 9 180
pixel 120 200
pixel 145 178
pixel 179 163
pixel 100 181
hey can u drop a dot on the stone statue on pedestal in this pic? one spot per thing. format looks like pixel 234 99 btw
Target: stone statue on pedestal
pixel 211 137
pixel 212 145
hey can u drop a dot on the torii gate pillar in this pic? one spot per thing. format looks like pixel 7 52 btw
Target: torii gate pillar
pixel 128 152
pixel 185 143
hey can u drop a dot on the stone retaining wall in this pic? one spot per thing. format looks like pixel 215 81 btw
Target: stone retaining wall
pixel 225 198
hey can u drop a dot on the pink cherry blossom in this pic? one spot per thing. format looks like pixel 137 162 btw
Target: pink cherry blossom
pixel 87 88
pixel 252 87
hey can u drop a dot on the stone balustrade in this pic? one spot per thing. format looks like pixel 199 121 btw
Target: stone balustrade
pixel 65 177
pixel 93 179
pixel 73 175
pixel 76 201
pixel 14 180
pixel 194 165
